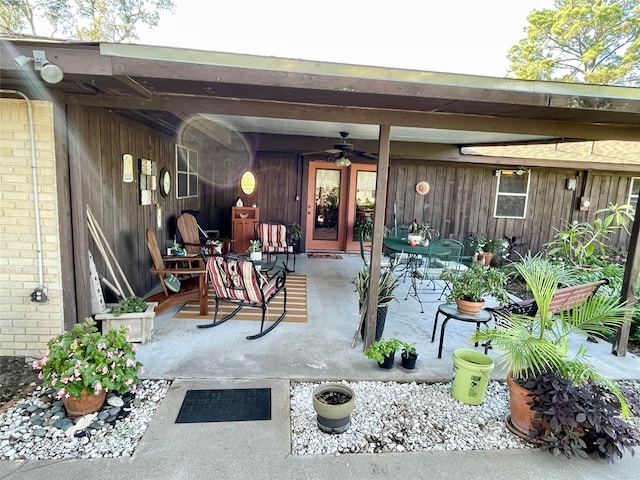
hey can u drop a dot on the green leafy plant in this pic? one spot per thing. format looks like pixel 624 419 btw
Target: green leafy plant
pixel 580 419
pixel 387 284
pixel 254 246
pixel 382 348
pixel 577 241
pixel 84 360
pixel 294 231
pixel 475 283
pixel 407 348
pixel 131 304
pixel 534 345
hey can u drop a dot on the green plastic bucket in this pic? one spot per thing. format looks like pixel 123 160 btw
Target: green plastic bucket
pixel 471 372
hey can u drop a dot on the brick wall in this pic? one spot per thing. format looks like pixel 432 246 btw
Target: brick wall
pixel 26 326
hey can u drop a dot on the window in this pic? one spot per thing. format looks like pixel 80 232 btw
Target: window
pixel 186 172
pixel 511 197
pixel 634 192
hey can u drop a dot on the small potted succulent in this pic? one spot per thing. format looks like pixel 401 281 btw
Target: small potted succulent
pixel 255 250
pixel 82 364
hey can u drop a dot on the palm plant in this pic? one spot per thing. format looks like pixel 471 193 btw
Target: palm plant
pixel 535 345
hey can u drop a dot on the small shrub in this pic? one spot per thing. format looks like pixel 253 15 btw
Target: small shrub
pixel 580 419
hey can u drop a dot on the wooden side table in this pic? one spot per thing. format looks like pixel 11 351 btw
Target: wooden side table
pixel 451 311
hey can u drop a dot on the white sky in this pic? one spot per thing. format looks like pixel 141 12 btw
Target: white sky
pixel 471 36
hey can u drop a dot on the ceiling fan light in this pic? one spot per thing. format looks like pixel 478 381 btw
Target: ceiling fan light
pixel 343 161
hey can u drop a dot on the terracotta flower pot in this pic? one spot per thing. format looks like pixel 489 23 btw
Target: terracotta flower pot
pixel 521 418
pixel 86 404
pixel 469 308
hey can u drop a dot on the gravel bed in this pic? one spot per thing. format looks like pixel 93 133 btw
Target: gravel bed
pixel 35 427
pixel 408 417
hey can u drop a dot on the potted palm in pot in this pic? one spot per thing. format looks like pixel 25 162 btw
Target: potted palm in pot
pixel 387 284
pixel 534 347
pixel 470 286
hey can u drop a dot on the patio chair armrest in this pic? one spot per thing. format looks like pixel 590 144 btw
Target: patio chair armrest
pixel 179 271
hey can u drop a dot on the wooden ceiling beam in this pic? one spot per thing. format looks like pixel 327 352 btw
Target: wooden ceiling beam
pixel 329 113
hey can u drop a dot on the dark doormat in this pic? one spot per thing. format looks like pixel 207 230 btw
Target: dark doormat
pixel 226 405
pixel 324 255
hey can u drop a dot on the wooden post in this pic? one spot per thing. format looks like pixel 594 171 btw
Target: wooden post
pixel 378 233
pixel 628 291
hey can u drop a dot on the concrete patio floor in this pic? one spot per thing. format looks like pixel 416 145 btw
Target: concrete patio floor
pixel 317 350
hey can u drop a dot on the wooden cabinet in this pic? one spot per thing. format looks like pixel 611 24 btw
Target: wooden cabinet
pixel 243 220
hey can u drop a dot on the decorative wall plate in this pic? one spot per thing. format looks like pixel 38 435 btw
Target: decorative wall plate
pixel 422 188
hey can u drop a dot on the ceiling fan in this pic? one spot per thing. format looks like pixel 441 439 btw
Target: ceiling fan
pixel 342 150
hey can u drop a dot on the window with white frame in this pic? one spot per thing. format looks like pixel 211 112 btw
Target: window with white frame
pixel 186 172
pixel 512 194
pixel 634 192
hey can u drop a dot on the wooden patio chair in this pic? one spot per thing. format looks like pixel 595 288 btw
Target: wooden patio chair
pixel 238 282
pixel 274 239
pixel 191 288
pixel 194 239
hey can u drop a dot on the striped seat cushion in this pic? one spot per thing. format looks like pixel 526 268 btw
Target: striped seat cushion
pixel 236 279
pixel 273 238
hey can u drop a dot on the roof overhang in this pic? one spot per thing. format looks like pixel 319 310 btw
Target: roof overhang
pixel 280 96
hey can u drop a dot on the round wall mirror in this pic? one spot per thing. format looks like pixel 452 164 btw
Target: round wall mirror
pixel 248 183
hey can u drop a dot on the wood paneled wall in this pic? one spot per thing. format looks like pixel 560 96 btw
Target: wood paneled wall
pixel 462 199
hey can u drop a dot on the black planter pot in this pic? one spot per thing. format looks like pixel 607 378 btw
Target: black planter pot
pixel 409 361
pixel 388 361
pixel 381 318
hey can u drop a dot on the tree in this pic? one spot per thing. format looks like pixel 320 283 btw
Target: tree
pixel 91 20
pixel 584 41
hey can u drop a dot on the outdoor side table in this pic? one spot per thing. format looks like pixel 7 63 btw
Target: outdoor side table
pixel 451 311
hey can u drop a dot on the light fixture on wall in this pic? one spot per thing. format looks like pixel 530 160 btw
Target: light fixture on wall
pixel 342 160
pixel 571 184
pixel 49 72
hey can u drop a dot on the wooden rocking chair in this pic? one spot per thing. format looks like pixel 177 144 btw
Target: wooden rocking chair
pixel 193 288
pixel 237 281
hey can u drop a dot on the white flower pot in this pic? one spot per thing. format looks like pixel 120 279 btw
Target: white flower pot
pixel 255 256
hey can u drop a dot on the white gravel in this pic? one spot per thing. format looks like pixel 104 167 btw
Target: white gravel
pixel 405 417
pixel 23 436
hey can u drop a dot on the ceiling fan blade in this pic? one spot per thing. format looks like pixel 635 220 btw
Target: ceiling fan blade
pixel 368 156
pixel 321 152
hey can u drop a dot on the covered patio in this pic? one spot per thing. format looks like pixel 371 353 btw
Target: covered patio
pixel 321 347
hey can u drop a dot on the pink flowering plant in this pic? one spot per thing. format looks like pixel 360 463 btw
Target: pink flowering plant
pixel 85 360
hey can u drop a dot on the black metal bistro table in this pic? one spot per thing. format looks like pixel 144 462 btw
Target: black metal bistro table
pixel 451 311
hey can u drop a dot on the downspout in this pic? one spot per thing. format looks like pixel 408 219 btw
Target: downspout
pixel 40 293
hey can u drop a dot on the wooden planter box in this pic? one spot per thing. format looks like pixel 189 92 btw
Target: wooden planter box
pixel 141 323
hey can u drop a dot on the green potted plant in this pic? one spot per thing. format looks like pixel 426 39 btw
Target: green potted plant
pixel 409 356
pixel 471 285
pixel 294 234
pixel 534 346
pixel 82 364
pixel 134 313
pixel 387 284
pixel 383 351
pixel 255 250
pixel 131 304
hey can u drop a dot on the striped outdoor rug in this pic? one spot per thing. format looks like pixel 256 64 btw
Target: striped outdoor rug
pixel 296 304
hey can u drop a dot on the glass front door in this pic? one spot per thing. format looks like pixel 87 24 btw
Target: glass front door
pixel 338 199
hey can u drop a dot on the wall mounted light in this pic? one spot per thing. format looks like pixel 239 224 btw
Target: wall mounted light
pixel 571 184
pixel 49 72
